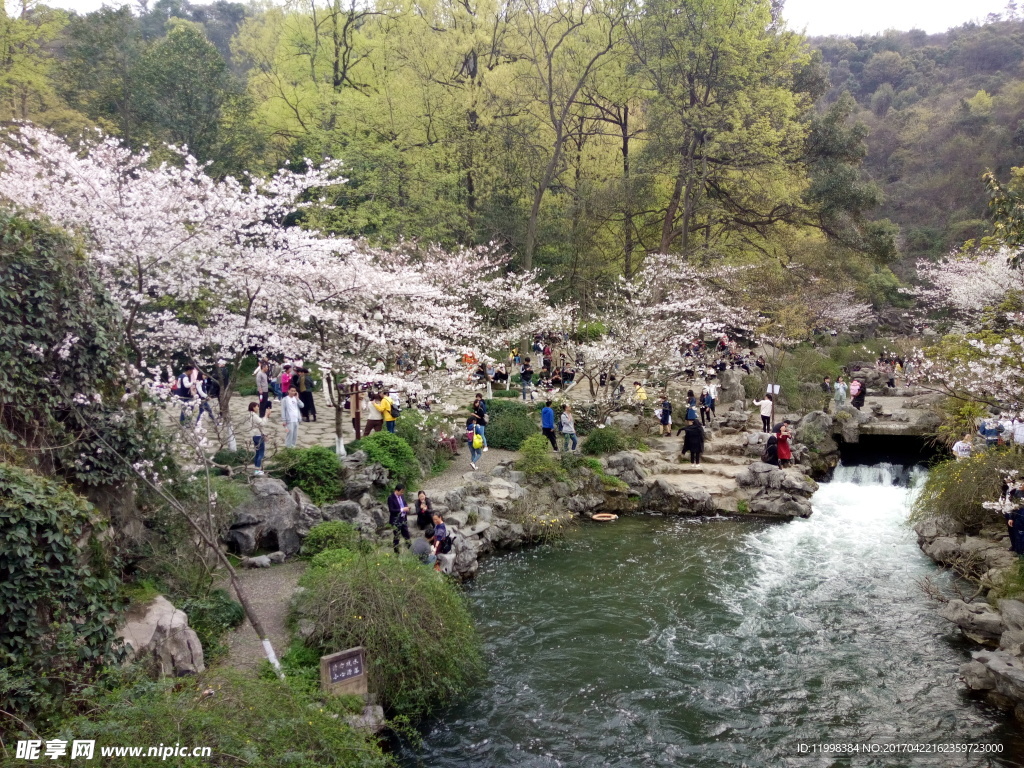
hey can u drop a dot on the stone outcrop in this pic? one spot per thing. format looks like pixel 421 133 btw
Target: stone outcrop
pixel 998 671
pixel 274 519
pixel 815 431
pixel 158 633
pixel 777 492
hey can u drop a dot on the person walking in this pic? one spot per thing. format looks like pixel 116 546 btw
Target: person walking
pixel 526 378
pixel 767 406
pixel 665 417
pixel 203 396
pixel 639 396
pixel 304 383
pixel 257 429
pixel 285 380
pixel 185 391
pixel 707 407
pixel 371 416
pixel 841 389
pixel 547 424
pixel 398 516
pixel 480 411
pixel 568 427
pixel 826 393
pixel 693 441
pixel 857 394
pixel 263 388
pixel 386 406
pixel 291 413
pixel 475 441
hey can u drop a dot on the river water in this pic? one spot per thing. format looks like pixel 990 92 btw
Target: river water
pixel 656 641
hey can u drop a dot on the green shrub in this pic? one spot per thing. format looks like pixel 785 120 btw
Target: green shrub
pixel 959 418
pixel 394 454
pixel 510 422
pixel 955 490
pixel 59 602
pixel 505 393
pixel 246 720
pixel 212 617
pixel 754 386
pixel 607 440
pixel 334 534
pixel 422 650
pixel 571 461
pixel 419 430
pixel 537 460
pixel 315 470
pixel 590 331
pixel 227 458
pixel 333 557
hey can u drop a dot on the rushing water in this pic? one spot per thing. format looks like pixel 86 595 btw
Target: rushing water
pixel 658 641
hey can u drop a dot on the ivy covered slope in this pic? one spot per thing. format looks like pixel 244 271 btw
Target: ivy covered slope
pixel 63 385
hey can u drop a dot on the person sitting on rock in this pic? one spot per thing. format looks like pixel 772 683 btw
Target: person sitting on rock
pixel 442 541
pixel 963 447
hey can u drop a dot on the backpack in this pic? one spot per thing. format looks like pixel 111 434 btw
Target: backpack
pixel 854 388
pixel 478 440
pixel 396 411
pixel 770 455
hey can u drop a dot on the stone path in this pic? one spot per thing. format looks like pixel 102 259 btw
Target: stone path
pixel 270 591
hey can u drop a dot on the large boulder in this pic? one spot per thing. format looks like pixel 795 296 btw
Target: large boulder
pixel 979 621
pixel 158 633
pixel 672 499
pixel 815 431
pixel 730 385
pixel 274 519
pixel 361 477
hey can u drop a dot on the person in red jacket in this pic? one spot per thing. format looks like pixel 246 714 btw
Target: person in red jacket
pixel 785 452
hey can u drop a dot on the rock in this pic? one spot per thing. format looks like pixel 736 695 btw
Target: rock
pixel 624 421
pixel 944 549
pixel 977 677
pixel 263 561
pixel 276 557
pixel 273 519
pixel 1007 672
pixel 371 720
pixel 1013 614
pixel 159 632
pixel 672 499
pixel 342 510
pixel 815 431
pixel 930 529
pixel 1012 640
pixel 979 621
pixel 730 386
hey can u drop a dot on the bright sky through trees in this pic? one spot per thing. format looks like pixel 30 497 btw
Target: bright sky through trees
pixel 831 17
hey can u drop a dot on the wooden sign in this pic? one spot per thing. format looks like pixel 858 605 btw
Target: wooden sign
pixel 344 672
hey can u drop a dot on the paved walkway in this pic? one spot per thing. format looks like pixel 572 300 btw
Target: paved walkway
pixel 270 591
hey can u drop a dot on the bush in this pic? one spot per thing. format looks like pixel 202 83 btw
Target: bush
pixel 316 471
pixel 227 458
pixel 510 422
pixel 246 720
pixel 607 440
pixel 571 461
pixel 959 418
pixel 421 648
pixel 538 460
pixel 212 617
pixel 335 534
pixel 59 602
pixel 955 490
pixel 333 557
pixel 394 454
pixel 419 430
pixel 505 393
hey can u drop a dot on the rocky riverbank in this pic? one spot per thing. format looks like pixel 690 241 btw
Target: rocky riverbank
pixel 996 671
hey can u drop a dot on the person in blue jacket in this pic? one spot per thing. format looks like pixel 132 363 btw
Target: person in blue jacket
pixel 547 424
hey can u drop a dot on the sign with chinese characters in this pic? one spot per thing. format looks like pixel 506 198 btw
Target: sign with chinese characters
pixel 344 672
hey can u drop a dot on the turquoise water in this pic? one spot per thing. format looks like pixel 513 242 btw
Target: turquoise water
pixel 657 641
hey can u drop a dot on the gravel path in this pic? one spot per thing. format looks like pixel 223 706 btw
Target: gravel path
pixel 270 591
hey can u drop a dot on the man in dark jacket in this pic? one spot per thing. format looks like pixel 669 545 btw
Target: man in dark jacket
pixel 398 515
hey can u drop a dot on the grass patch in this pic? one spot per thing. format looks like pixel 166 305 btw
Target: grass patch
pixel 334 534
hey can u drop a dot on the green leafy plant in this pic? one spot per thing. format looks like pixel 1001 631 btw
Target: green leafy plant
pixel 212 617
pixel 315 470
pixel 59 600
pixel 261 720
pixel 959 418
pixel 955 490
pixel 510 422
pixel 421 647
pixel 537 459
pixel 743 506
pixel 607 440
pixel 333 557
pixel 333 534
pixel 394 454
pixel 505 393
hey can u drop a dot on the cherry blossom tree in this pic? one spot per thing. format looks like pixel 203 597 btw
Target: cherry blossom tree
pixel 967 282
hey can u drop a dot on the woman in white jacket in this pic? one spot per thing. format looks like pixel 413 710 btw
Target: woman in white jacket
pixel 766 412
pixel 257 428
